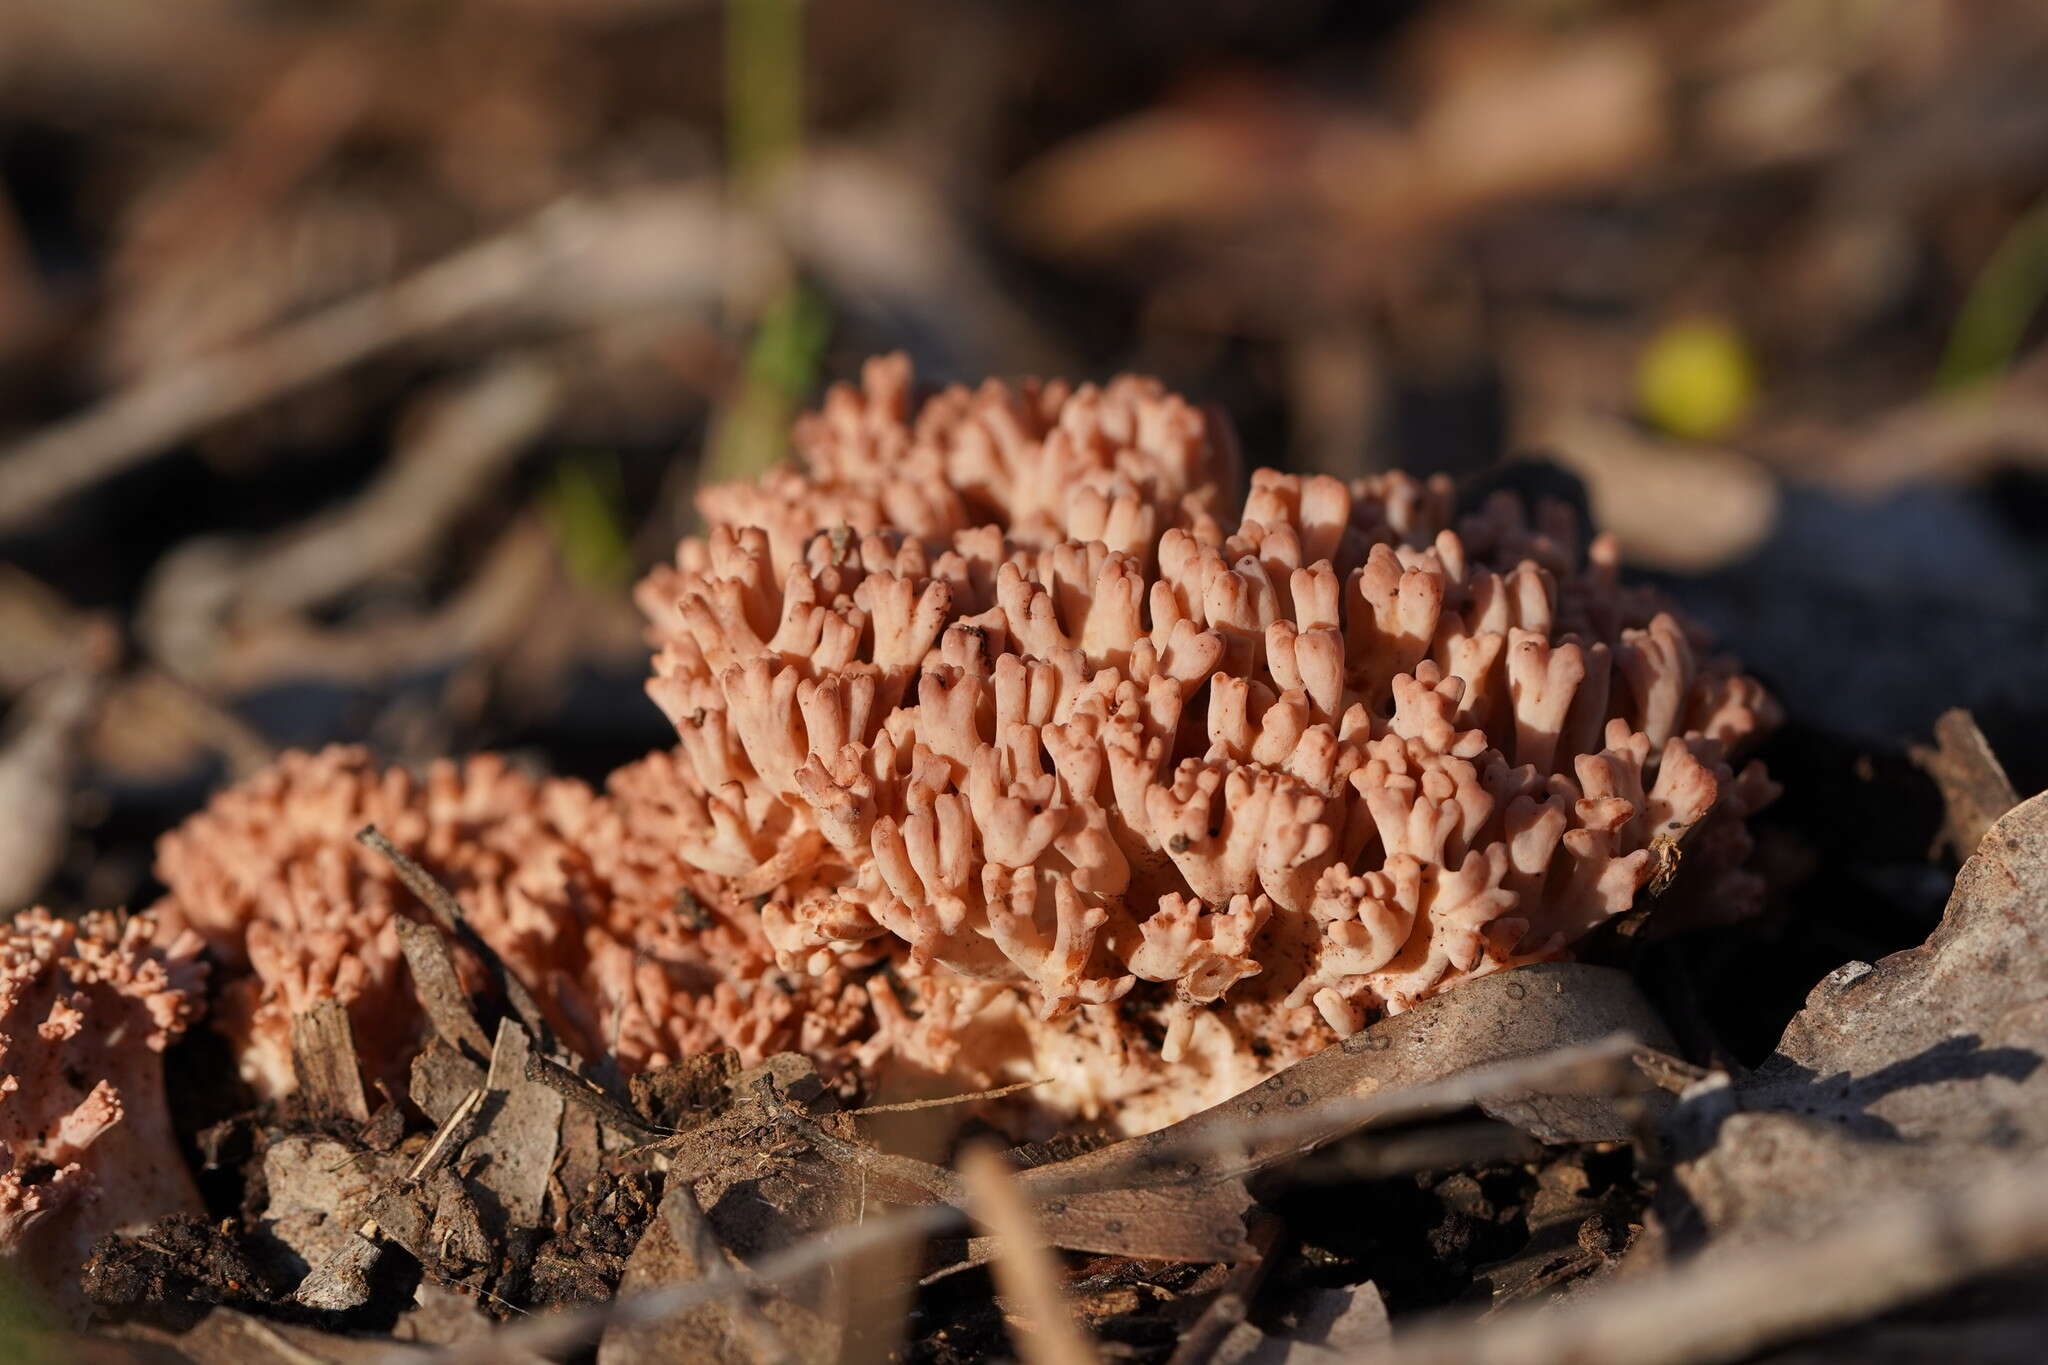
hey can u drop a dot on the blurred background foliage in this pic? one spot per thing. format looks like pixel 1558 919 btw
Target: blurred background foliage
pixel 354 357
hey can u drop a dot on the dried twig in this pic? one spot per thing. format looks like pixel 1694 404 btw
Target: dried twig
pixel 212 591
pixel 574 259
pixel 447 913
pixel 448 1138
pixel 940 1102
pixel 1025 1270
pixel 1731 1303
pixel 580 1090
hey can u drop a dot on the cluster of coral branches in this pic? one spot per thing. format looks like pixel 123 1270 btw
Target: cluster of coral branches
pixel 86 1010
pixel 1002 692
pixel 582 896
pixel 1012 746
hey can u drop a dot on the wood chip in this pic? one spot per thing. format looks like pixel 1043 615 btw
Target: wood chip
pixel 439 987
pixel 441 1079
pixel 342 1281
pixel 516 1135
pixel 679 1247
pixel 1974 787
pixel 324 1060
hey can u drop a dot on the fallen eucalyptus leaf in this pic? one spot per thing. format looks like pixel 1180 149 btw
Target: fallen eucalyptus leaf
pixel 1528 1014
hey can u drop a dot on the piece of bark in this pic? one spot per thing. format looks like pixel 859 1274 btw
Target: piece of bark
pixel 1974 787
pixel 324 1060
pixel 385 1129
pixel 403 1213
pixel 461 1247
pixel 516 1136
pixel 680 1247
pixel 579 1152
pixel 342 1280
pixel 320 1192
pixel 439 987
pixel 441 1079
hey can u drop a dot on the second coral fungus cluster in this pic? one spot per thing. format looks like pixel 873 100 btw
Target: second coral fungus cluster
pixel 86 1010
pixel 1011 747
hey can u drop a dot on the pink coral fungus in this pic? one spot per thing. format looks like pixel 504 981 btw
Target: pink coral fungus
pixel 86 1146
pixel 1013 748
pixel 577 893
pixel 1150 798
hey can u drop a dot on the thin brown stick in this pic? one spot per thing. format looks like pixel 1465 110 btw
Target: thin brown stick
pixel 906 1106
pixel 573 259
pixel 452 449
pixel 156 413
pixel 1025 1270
pixel 447 913
pixel 579 1090
pixel 448 1138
